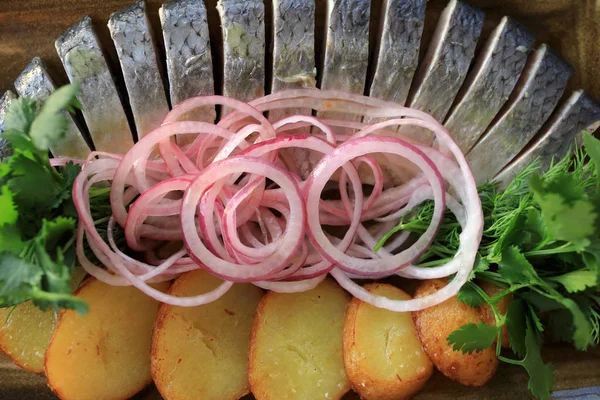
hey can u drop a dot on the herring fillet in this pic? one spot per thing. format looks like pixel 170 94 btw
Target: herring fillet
pixel 189 60
pixel 243 27
pixel 398 49
pixel 489 84
pixel 84 62
pixel 579 112
pixel 446 63
pixel 5 101
pixel 130 32
pixel 346 49
pixel 293 49
pixel 35 82
pixel 537 93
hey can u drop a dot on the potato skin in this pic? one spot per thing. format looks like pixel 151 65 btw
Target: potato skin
pixel 104 355
pixel 202 352
pixel 487 315
pixel 296 345
pixel 383 356
pixel 434 324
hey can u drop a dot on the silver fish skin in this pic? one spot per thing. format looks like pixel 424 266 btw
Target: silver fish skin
pixel 446 63
pixel 579 112
pixel 398 49
pixel 293 49
pixel 346 49
pixel 243 27
pixel 83 59
pixel 131 33
pixel 489 84
pixel 189 59
pixel 5 101
pixel 537 93
pixel 36 83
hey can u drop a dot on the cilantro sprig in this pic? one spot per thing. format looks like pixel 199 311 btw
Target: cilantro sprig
pixel 541 244
pixel 38 218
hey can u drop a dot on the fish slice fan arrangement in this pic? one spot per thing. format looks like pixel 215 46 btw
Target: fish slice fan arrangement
pixel 248 216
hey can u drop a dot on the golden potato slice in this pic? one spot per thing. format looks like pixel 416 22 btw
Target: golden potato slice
pixel 383 356
pixel 434 324
pixel 106 353
pixel 296 345
pixel 487 315
pixel 25 331
pixel 202 352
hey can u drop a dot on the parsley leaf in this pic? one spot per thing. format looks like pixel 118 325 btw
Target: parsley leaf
pixel 468 295
pixel 515 268
pixel 577 281
pixel 9 213
pixel 540 374
pixel 472 337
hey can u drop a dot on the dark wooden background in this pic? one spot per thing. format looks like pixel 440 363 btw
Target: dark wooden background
pixel 28 28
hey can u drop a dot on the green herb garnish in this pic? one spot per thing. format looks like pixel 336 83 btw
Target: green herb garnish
pixel 38 218
pixel 541 243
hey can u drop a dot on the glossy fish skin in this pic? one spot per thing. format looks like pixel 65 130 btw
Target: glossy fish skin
pixel 293 49
pixel 489 85
pixel 5 101
pixel 446 63
pixel 537 93
pixel 579 112
pixel 130 31
pixel 36 83
pixel 84 62
pixel 346 48
pixel 398 49
pixel 243 27
pixel 189 59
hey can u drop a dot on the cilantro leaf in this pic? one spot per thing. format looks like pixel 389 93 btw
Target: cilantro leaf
pixel 582 335
pixel 10 240
pixel 515 268
pixel 541 379
pixel 20 115
pixel 51 123
pixel 9 213
pixel 18 277
pixel 516 326
pixel 577 281
pixel 471 337
pixel 592 148
pixel 568 215
pixel 468 295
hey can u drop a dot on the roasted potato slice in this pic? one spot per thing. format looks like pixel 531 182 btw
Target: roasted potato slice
pixel 202 352
pixel 434 324
pixel 487 315
pixel 383 356
pixel 106 353
pixel 296 345
pixel 25 331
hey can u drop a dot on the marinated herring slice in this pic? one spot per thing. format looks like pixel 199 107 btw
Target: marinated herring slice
pixel 189 60
pixel 346 49
pixel 5 101
pixel 130 31
pixel 243 27
pixel 35 82
pixel 293 49
pixel 489 84
pixel 83 59
pixel 537 93
pixel 446 63
pixel 397 50
pixel 579 112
